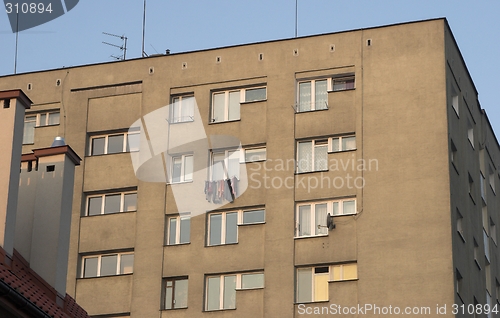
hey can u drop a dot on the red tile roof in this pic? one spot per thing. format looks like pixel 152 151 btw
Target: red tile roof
pixel 27 284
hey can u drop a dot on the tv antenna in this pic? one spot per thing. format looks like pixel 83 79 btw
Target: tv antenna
pixel 123 47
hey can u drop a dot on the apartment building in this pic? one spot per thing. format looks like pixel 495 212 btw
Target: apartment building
pixel 315 176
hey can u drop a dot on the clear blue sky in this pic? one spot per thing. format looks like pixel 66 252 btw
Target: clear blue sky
pixel 75 38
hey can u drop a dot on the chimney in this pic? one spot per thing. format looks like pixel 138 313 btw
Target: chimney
pixel 43 220
pixel 13 104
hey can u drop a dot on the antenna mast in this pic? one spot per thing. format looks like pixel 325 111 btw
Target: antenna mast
pixel 296 15
pixel 123 47
pixel 143 29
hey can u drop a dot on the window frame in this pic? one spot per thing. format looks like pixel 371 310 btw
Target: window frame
pixel 242 100
pixel 125 145
pixel 103 202
pixel 345 78
pixel 183 175
pixel 238 286
pixel 174 280
pixel 226 152
pixel 329 210
pixel 340 138
pixel 313 106
pixel 330 279
pixel 99 264
pixel 239 222
pixel 178 229
pixel 181 119
pixel 256 148
pixel 313 154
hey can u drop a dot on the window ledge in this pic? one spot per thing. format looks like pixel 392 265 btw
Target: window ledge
pixel 179 244
pixel 348 150
pixel 31 143
pixel 312 302
pixel 180 308
pixel 342 90
pixel 109 154
pixel 260 160
pixel 461 236
pixel 311 111
pixel 223 122
pixel 309 236
pixel 343 280
pixel 221 244
pixel 245 289
pixel 224 309
pixel 180 182
pixel 455 167
pixel 47 125
pixel 247 224
pixel 111 213
pixel 472 198
pixel 108 276
pixel 253 101
pixel 477 263
pixel 307 172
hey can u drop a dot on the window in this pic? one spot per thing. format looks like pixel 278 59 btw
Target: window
pixel 311 217
pixel 111 203
pixel 254 154
pixel 179 230
pixel 312 282
pixel 114 143
pixel 459 281
pixel 225 164
pixel 454 100
pixel 486 240
pixel 29 129
pixel 176 293
pixel 476 254
pixel 343 143
pixel 182 109
pixel 471 187
pixel 107 265
pixel 492 178
pixel 470 132
pixel 226 104
pixel 483 186
pixel 312 156
pixel 453 153
pixel 221 289
pixel 343 83
pixel 223 226
pixel 498 291
pixel 182 168
pixel 48 119
pixel 460 227
pixel 313 95
pixel 493 231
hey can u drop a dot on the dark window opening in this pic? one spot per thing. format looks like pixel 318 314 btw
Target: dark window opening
pixel 51 168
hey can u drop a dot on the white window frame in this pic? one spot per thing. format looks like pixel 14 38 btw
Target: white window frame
pixel 491 177
pixel 173 287
pixel 340 138
pixel 454 101
pixel 331 279
pixel 470 132
pixel 242 94
pixel 103 202
pixel 313 93
pixel 214 152
pixel 180 119
pixel 329 210
pixel 313 159
pixel 238 277
pixel 238 223
pixel 244 151
pixel 178 219
pixel 460 225
pixel 106 137
pixel 29 118
pixel 184 177
pixel 345 79
pixel 99 258
pixel 47 114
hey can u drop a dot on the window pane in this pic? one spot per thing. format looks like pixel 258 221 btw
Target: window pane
pixel 321 94
pixel 304 160
pixel 176 169
pixel 255 154
pixel 234 164
pixel 133 142
pixel 213 293
pixel 187 109
pixel 168 297
pixel 229 292
pixel 181 293
pixel 349 207
pixel 335 144
pixel 304 220
pixel 97 146
pixel 53 118
pixel 257 216
pixel 90 267
pixel 95 205
pixel 321 158
pixel 176 110
pixel 304 285
pixel 249 281
pixel 172 231
pixel 43 120
pixel 336 210
pixel 255 94
pixel 320 287
pixel 219 107
pixel 185 229
pixel 234 105
pixel 231 227
pixel 350 271
pixel 215 229
pixel 304 96
pixel 188 168
pixel 320 211
pixel 218 167
pixel 127 264
pixel 112 203
pixel 29 130
pixel 108 265
pixel 348 143
pixel 115 144
pixel 130 202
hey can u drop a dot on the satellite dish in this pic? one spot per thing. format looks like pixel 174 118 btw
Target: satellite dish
pixel 329 222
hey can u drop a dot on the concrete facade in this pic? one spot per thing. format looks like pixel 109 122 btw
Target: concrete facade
pixel 422 233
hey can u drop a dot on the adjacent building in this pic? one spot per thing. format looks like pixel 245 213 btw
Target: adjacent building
pixel 315 175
